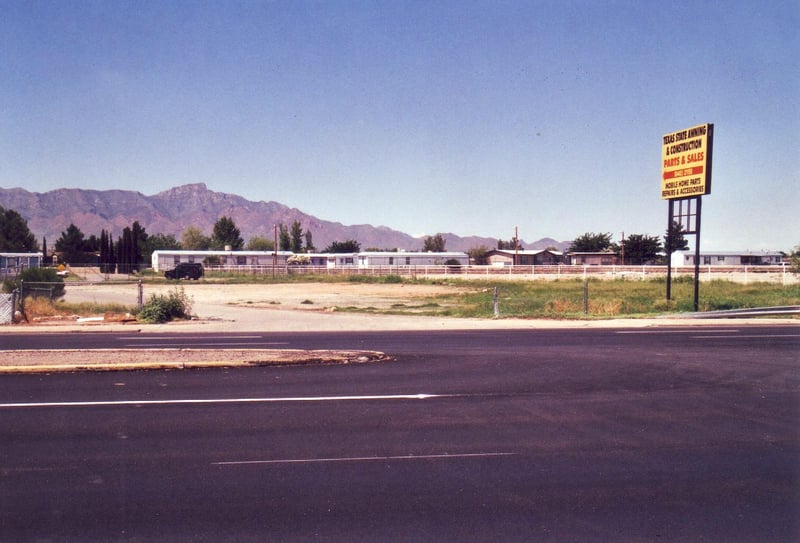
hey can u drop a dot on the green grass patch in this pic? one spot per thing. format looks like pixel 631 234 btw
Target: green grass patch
pixel 606 299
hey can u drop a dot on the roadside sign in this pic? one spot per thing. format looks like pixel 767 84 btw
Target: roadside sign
pixel 686 162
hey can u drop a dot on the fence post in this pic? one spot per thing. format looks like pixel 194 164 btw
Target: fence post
pixel 140 298
pixel 496 307
pixel 586 297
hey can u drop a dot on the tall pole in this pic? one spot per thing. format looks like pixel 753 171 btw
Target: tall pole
pixel 670 219
pixel 697 255
pixel 516 245
pixel 274 250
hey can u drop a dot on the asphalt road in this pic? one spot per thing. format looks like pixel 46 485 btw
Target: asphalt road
pixel 549 435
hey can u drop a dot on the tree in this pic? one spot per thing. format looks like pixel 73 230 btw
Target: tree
pixel 44 248
pixel 127 250
pixel 309 242
pixel 139 238
pixel 108 264
pixel 71 245
pixel 591 243
pixel 477 255
pixel 225 233
pixel 509 245
pixel 434 244
pixel 192 239
pixel 284 240
pixel 15 237
pixel 297 237
pixel 158 242
pixel 349 246
pixel 260 243
pixel 794 262
pixel 674 239
pixel 641 248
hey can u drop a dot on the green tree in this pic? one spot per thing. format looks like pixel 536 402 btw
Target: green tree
pixel 641 248
pixel 309 242
pixel 225 233
pixel 158 242
pixel 478 255
pixel 15 237
pixel 509 245
pixel 434 244
pixel 260 243
pixel 591 243
pixel 37 282
pixel 297 237
pixel 108 263
pixel 674 239
pixel 349 246
pixel 284 240
pixel 127 249
pixel 192 239
pixel 794 261
pixel 71 245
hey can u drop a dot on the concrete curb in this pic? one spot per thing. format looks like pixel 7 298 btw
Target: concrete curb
pixel 80 360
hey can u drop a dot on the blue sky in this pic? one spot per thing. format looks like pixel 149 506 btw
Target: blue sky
pixel 468 117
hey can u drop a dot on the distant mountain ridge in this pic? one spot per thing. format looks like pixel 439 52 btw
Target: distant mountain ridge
pixel 170 212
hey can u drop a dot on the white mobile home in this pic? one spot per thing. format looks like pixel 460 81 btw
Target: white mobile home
pixel 728 258
pixel 403 258
pixel 12 263
pixel 163 260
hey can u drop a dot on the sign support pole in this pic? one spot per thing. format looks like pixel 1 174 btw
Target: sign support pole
pixel 669 256
pixel 686 177
pixel 697 255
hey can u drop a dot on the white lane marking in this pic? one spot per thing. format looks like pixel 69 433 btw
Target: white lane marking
pixel 749 336
pixel 112 403
pixel 687 331
pixel 362 458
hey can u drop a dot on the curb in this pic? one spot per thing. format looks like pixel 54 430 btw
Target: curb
pixel 164 359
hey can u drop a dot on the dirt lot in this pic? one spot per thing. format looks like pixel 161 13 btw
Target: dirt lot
pixel 284 296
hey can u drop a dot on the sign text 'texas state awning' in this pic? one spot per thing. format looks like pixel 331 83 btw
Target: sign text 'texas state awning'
pixel 686 162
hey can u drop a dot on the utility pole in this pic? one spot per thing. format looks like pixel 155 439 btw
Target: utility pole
pixel 623 247
pixel 274 250
pixel 516 245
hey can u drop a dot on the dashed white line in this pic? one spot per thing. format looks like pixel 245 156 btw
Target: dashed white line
pixel 686 331
pixel 201 401
pixel 363 458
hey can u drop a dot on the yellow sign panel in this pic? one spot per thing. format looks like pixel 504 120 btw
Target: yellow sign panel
pixel 686 162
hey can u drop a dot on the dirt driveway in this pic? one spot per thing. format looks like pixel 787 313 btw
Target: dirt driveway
pixel 295 296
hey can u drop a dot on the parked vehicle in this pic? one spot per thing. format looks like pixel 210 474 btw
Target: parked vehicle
pixel 185 270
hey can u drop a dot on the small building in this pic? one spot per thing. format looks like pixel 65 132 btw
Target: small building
pixel 597 258
pixel 13 263
pixel 728 258
pixel 510 257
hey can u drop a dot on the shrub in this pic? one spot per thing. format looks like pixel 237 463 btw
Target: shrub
pixel 160 308
pixel 37 282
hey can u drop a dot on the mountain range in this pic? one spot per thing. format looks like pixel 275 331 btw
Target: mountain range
pixel 170 212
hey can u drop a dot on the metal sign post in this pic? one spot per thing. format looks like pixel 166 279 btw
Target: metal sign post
pixel 685 178
pixel 688 217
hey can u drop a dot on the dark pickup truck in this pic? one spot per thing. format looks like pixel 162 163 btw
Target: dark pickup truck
pixel 185 270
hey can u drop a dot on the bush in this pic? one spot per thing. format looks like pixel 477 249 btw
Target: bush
pixel 37 282
pixel 160 308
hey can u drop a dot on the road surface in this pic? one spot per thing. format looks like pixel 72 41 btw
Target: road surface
pixel 544 435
